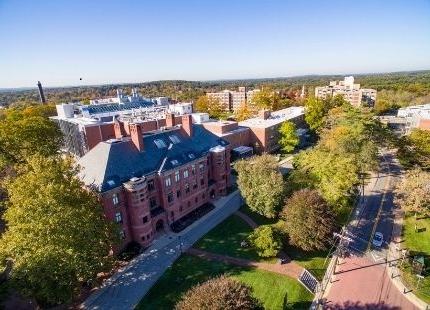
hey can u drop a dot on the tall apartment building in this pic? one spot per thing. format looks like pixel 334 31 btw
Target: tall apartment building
pixel 147 181
pixel 232 100
pixel 349 90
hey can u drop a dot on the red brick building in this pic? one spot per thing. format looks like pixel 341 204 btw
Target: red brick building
pixel 147 180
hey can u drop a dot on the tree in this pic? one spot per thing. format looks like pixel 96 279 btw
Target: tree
pixel 210 105
pixel 23 137
pixel 309 221
pixel 414 150
pixel 315 112
pixel 413 192
pixel 220 293
pixel 244 112
pixel 56 233
pixel 288 137
pixel 266 241
pixel 269 99
pixel 261 184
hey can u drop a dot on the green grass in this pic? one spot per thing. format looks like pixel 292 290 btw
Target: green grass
pixel 269 288
pixel 259 219
pixel 417 243
pixel 225 239
pixel 312 261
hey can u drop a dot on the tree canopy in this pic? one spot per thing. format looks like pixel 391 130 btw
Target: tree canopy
pixel 413 192
pixel 56 233
pixel 288 139
pixel 261 184
pixel 414 150
pixel 309 221
pixel 222 293
pixel 210 105
pixel 266 240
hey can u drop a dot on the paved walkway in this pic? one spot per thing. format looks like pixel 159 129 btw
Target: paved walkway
pixel 247 219
pixel 290 269
pixel 128 286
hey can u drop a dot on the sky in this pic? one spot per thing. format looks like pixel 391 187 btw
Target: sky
pixel 60 41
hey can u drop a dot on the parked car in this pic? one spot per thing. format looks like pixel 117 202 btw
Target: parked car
pixel 378 239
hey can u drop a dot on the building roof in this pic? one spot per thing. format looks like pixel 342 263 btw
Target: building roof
pixel 275 118
pixel 114 107
pixel 113 162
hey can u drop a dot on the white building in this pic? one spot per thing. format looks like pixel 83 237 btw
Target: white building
pixel 181 108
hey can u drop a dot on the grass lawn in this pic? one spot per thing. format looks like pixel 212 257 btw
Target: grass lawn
pixel 269 288
pixel 259 219
pixel 312 261
pixel 418 242
pixel 225 239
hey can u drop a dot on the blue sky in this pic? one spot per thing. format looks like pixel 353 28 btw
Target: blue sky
pixel 59 41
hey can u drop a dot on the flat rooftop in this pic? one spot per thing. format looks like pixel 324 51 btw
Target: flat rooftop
pixel 275 118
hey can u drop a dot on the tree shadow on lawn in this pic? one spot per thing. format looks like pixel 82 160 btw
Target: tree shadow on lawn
pixel 313 261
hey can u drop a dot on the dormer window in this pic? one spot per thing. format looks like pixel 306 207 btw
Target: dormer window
pixel 174 139
pixel 115 199
pixel 160 143
pixel 174 162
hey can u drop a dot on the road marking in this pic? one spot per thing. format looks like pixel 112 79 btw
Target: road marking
pixel 380 205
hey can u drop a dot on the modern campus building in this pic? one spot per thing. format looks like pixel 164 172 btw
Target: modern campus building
pixel 148 180
pixel 84 126
pixel 417 116
pixel 349 90
pixel 232 100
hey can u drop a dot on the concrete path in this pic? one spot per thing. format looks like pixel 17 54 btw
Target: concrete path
pixel 128 286
pixel 290 269
pixel 247 219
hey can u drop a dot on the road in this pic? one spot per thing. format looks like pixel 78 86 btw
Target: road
pixel 127 287
pixel 361 280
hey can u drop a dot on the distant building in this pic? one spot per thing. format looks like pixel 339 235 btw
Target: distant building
pixel 349 90
pixel 417 116
pixel 232 100
pixel 148 181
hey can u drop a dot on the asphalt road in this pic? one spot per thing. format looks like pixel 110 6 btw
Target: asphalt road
pixel 374 214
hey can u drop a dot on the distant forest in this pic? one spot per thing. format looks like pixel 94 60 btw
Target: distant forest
pixel 395 89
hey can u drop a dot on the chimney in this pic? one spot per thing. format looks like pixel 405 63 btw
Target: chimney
pixel 41 94
pixel 119 129
pixel 136 136
pixel 264 114
pixel 187 124
pixel 170 119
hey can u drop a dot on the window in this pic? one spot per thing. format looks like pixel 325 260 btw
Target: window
pixel 185 173
pixel 191 156
pixel 202 182
pixel 178 194
pixel 174 139
pixel 194 185
pixel 115 199
pixel 152 203
pixel 118 217
pixel 193 169
pixel 122 234
pixel 167 181
pixel 201 167
pixel 160 143
pixel 145 219
pixel 170 197
pixel 177 176
pixel 187 188
pixel 174 162
pixel 180 209
pixel 151 185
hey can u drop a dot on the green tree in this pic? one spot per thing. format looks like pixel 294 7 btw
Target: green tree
pixel 56 233
pixel 261 184
pixel 244 112
pixel 266 241
pixel 309 221
pixel 23 137
pixel 317 110
pixel 414 150
pixel 413 192
pixel 288 136
pixel 222 293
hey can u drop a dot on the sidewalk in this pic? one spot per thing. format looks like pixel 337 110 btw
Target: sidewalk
pixel 129 285
pixel 290 269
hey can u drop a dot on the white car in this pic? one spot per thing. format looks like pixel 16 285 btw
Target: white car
pixel 378 239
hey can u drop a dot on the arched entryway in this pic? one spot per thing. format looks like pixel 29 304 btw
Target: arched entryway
pixel 159 226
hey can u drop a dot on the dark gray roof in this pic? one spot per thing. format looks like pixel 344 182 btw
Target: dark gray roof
pixel 113 162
